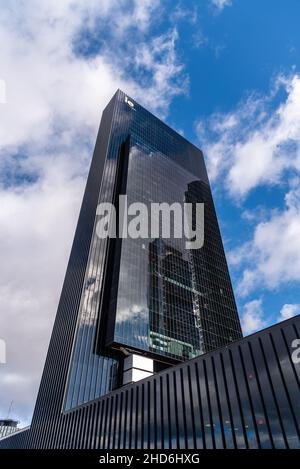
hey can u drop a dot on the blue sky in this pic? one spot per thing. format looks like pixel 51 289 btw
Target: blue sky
pixel 243 49
pixel 224 73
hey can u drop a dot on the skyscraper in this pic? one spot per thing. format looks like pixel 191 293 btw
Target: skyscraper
pixel 134 306
pixel 148 297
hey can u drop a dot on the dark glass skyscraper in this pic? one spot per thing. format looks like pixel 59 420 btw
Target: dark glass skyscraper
pixel 148 295
pixel 137 305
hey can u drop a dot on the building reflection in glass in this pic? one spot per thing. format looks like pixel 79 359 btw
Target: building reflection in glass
pixel 171 301
pixel 151 295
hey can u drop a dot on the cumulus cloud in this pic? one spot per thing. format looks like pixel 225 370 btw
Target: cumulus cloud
pixel 220 4
pixel 55 92
pixel 252 318
pixel 272 257
pixel 288 311
pixel 46 83
pixel 257 143
pixel 37 223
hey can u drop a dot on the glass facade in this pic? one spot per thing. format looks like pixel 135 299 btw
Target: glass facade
pixel 166 299
pixel 149 294
pixel 156 297
pixel 156 301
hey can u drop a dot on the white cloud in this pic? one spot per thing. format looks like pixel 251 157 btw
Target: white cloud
pixel 185 13
pixel 47 84
pixel 159 58
pixel 47 129
pixel 252 317
pixel 256 143
pixel 36 230
pixel 220 4
pixel 288 311
pixel 272 257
